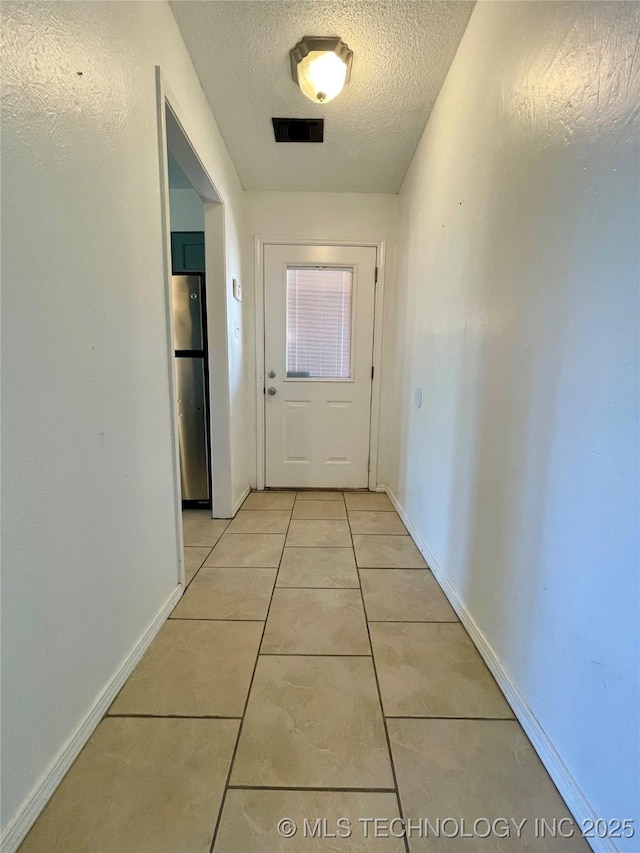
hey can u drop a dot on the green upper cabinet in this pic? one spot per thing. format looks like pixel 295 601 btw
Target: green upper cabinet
pixel 187 251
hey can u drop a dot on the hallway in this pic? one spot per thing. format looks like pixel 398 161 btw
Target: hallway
pixel 312 670
pixel 417 276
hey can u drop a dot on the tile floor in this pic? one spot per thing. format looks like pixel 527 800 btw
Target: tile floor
pixel 312 670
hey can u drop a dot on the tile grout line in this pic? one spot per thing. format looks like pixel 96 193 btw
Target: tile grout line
pixel 208 619
pixel 327 588
pixel 436 717
pixel 172 717
pixel 319 546
pixel 301 788
pixel 203 562
pixel 313 655
pixel 252 533
pixel 424 568
pixel 244 710
pixel 378 533
pixel 375 674
pixel 414 621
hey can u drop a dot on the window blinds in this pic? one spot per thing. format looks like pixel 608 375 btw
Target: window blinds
pixel 319 305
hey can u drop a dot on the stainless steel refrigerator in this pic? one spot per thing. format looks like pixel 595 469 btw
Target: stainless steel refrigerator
pixel 190 343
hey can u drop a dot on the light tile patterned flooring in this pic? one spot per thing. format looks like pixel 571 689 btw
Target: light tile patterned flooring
pixel 312 669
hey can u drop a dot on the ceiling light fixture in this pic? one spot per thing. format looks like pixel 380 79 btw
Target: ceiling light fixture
pixel 321 65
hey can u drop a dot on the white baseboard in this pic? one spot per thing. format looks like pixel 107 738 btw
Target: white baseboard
pixel 40 794
pixel 569 789
pixel 241 500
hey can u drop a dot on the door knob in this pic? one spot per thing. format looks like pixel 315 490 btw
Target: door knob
pixel 271 391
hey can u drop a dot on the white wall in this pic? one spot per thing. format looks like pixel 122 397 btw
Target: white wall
pixel 324 216
pixel 88 523
pixel 187 210
pixel 516 312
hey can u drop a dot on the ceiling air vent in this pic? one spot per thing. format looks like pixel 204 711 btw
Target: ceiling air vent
pixel 298 129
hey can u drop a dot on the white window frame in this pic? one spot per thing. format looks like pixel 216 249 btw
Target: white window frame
pixel 354 285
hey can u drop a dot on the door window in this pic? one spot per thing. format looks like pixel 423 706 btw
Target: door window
pixel 319 321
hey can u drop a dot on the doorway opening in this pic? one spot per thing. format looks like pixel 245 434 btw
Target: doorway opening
pixel 196 315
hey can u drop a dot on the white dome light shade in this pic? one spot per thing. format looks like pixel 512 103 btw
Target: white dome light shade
pixel 321 76
pixel 321 66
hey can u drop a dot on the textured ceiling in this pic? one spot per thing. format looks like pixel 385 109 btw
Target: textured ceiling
pixel 402 52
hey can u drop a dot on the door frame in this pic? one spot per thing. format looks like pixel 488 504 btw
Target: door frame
pixel 374 424
pixel 175 131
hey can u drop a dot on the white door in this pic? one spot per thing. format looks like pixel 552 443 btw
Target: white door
pixel 319 304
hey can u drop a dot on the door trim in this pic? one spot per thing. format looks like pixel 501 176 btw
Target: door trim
pixel 259 243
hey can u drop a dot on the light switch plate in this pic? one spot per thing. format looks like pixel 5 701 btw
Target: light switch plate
pixel 237 290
